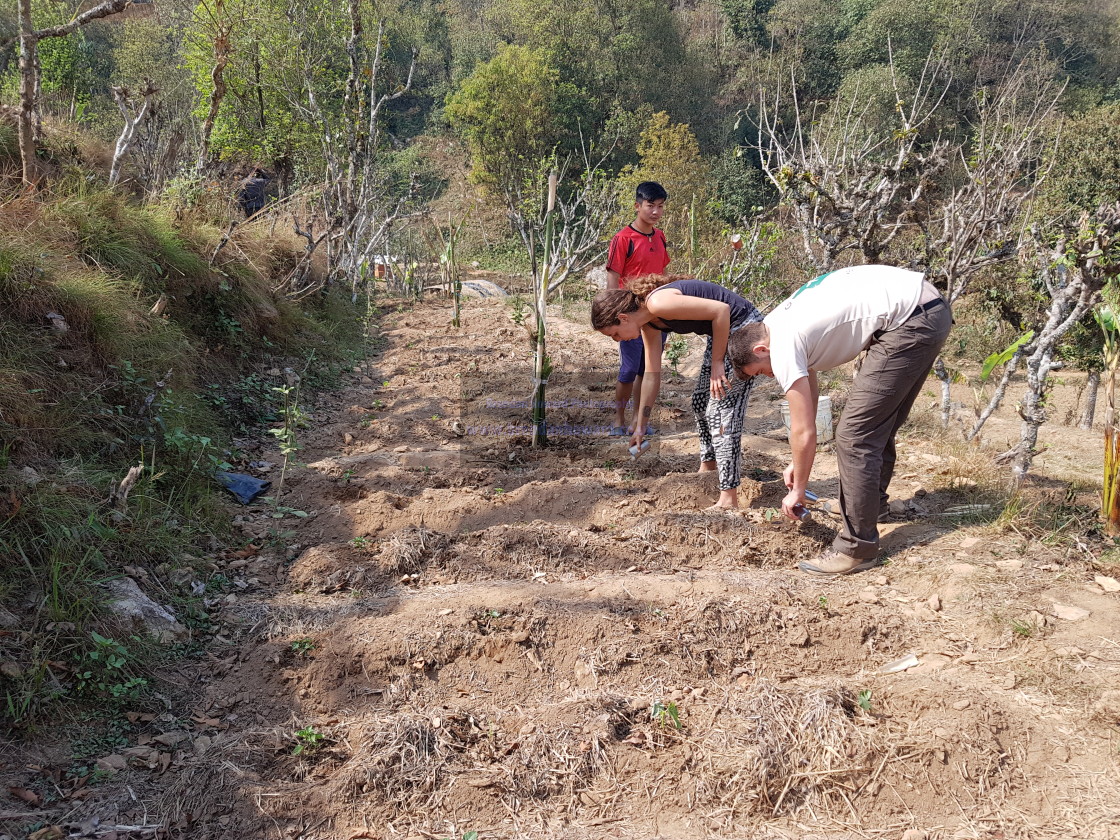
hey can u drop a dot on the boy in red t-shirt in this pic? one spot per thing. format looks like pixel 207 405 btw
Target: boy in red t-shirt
pixel 637 249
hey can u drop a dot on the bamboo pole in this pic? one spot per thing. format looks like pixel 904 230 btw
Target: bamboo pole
pixel 543 367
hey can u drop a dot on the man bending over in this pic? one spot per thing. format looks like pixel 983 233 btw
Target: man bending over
pixel 902 321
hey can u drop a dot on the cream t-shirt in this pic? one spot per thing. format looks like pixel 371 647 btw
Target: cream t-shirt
pixel 832 319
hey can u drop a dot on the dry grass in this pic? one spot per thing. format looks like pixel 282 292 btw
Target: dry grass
pixel 407 551
pixel 406 760
pixel 797 750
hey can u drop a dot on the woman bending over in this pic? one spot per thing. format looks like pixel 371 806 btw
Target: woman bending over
pixel 656 304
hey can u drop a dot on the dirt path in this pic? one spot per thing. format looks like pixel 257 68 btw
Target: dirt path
pixel 560 645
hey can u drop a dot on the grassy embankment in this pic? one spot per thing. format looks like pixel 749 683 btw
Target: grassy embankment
pixel 93 381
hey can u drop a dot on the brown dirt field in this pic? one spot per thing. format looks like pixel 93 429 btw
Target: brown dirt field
pixel 494 639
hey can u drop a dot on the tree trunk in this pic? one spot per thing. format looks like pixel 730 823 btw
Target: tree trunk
pixel 217 76
pixel 131 123
pixel 940 371
pixel 1069 304
pixel 997 397
pixel 1092 388
pixel 28 46
pixel 1033 410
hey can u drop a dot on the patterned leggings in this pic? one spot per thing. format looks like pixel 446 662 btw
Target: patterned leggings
pixel 720 422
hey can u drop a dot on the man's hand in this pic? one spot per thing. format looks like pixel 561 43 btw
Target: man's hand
pixel 792 499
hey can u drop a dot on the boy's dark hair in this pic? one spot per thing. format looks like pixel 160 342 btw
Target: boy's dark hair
pixel 650 191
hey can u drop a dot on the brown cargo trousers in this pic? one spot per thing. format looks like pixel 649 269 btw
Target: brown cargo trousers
pixel 889 381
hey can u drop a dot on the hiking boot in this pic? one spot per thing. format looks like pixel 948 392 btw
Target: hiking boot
pixel 836 563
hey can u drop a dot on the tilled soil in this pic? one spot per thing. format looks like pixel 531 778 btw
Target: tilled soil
pixel 447 631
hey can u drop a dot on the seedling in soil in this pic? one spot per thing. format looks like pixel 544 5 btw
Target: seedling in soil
pixel 469 835
pixel 822 603
pixel 385 383
pixel 302 647
pixel 308 739
pixel 377 405
pixel 491 614
pixel 278 539
pixel 346 476
pixel 666 714
pixel 675 350
pixel 864 700
pixel 1024 629
pixel 281 511
pixel 360 542
pixel 435 416
pixel 770 514
pixel 498 491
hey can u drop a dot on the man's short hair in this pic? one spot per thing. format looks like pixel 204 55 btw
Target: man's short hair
pixel 650 191
pixel 743 341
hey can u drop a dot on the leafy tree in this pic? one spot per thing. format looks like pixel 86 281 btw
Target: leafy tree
pixel 905 30
pixel 747 19
pixel 739 187
pixel 31 38
pixel 512 112
pixel 806 32
pixel 618 53
pixel 1086 170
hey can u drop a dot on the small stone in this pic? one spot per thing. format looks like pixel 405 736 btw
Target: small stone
pixel 400 448
pixel 897 506
pixel 797 637
pixel 941 732
pixel 934 602
pixel 961 705
pixel 1009 565
pixel 881 580
pixel 1009 681
pixel 11 670
pixel 969 542
pixel 202 744
pixel 1069 613
pixel 920 491
pixel 347 438
pixel 1107 709
pixel 868 596
pixel 914 834
pixel 1108 584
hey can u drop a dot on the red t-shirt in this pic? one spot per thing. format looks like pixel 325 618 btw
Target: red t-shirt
pixel 633 253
